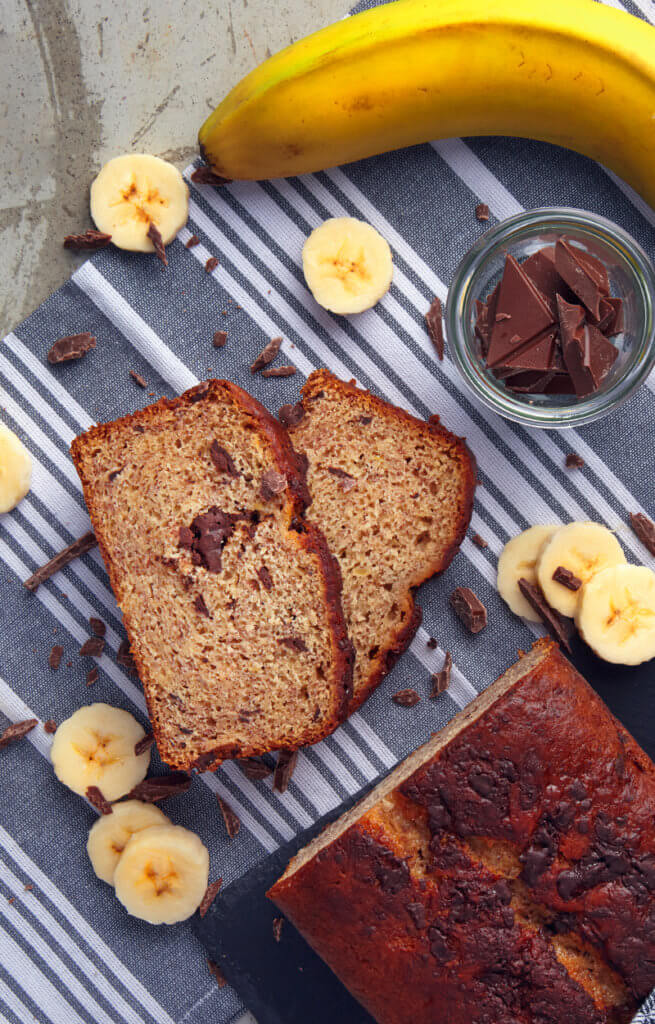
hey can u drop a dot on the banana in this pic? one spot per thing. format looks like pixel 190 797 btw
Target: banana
pixel 413 71
pixel 15 469
pixel 162 874
pixel 111 833
pixel 616 614
pixel 347 265
pixel 519 559
pixel 133 191
pixel 583 548
pixel 95 747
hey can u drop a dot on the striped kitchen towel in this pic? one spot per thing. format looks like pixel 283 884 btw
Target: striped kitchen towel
pixel 68 952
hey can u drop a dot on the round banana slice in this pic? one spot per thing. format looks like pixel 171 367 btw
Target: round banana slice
pixel 518 559
pixel 162 874
pixel 135 190
pixel 95 747
pixel 583 548
pixel 347 265
pixel 15 469
pixel 616 614
pixel 111 833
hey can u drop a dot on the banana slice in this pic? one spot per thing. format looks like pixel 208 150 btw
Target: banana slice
pixel 519 559
pixel 162 874
pixel 347 265
pixel 583 548
pixel 616 614
pixel 95 747
pixel 15 469
pixel 135 190
pixel 111 833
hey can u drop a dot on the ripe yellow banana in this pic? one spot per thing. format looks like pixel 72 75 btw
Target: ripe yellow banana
pixel 572 72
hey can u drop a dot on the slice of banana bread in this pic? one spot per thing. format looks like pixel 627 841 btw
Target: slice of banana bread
pixel 393 496
pixel 230 597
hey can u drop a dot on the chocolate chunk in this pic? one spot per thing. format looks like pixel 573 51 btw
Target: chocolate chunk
pixel 193 240
pixel 535 356
pixel 265 577
pixel 433 319
pixel 522 313
pixel 213 967
pixel 589 357
pixel 431 643
pixel 365 420
pixel 286 763
pixel 210 895
pixel 406 698
pixel 566 578
pixel 417 913
pixel 596 270
pixel 219 339
pixel 16 731
pixel 144 743
pixel 231 819
pixel 92 676
pixel 479 541
pixel 211 264
pixel 89 240
pixel 294 643
pixel 98 628
pixel 577 275
pixel 93 647
pixel 574 461
pixel 438 946
pixel 540 268
pixel 616 326
pixel 154 234
pixel 441 679
pixel 267 355
pixel 95 797
pixel 186 538
pixel 138 379
pixel 272 484
pixel 279 371
pixel 482 211
pixel 553 621
pixel 254 768
pixel 291 415
pixel 201 607
pixel 74 550
pixel 56 654
pixel 124 657
pixel 469 609
pixel 278 922
pixel 571 319
pixel 645 530
pixel 210 531
pixel 204 175
pixel 539 854
pixel 160 787
pixel 74 346
pixel 222 460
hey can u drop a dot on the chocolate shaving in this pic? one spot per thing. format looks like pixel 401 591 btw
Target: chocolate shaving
pixel 154 234
pixel 95 797
pixel 138 379
pixel 144 743
pixel 469 608
pixel 50 726
pixel 272 484
pixel 278 922
pixel 200 606
pixel 294 643
pixel 209 897
pixel 645 530
pixel 124 657
pixel 279 371
pixel 92 676
pixel 553 621
pixel 56 654
pixel 441 680
pixel 93 647
pixel 479 541
pixel 574 461
pixel 267 355
pixel 566 578
pixel 160 787
pixel 435 326
pixel 286 762
pixel 211 264
pixel 222 460
pixel 74 550
pixel 230 817
pixel 219 339
pixel 406 698
pixel 432 643
pixel 16 731
pixel 265 577
pixel 193 240
pixel 482 211
pixel 74 346
pixel 254 768
pixel 204 175
pixel 90 239
pixel 216 971
pixel 291 415
pixel 98 628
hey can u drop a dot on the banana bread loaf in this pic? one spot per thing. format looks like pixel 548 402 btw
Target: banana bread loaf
pixel 230 597
pixel 503 874
pixel 393 496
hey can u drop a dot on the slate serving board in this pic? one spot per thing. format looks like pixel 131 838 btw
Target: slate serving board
pixel 285 982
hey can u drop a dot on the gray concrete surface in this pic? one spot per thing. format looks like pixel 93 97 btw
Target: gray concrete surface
pixel 84 80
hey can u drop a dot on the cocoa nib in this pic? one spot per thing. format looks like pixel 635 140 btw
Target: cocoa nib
pixel 645 530
pixel 469 609
pixel 435 326
pixel 279 371
pixel 99 801
pixel 16 731
pixel 209 897
pixel 73 346
pixel 161 787
pixel 230 817
pixel 154 234
pixel 50 726
pixel 286 762
pixel 574 461
pixel 207 536
pixel 267 355
pixel 204 175
pixel 138 379
pixel 89 240
pixel 219 339
pixel 144 743
pixel 254 768
pixel 291 415
pixel 211 264
pixel 441 680
pixel 56 654
pixel 567 578
pixel 406 698
pixel 74 550
pixel 554 622
pixel 92 676
pixel 479 541
pixel 222 460
pixel 482 211
pixel 191 242
pixel 272 484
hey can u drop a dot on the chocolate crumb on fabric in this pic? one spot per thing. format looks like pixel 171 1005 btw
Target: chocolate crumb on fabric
pixel 279 371
pixel 574 461
pixel 554 622
pixel 92 676
pixel 479 541
pixel 50 726
pixel 435 325
pixel 219 339
pixel 567 578
pixel 89 240
pixel 138 379
pixel 204 175
pixel 193 240
pixel 431 643
pixel 211 264
pixel 254 768
pixel 144 743
pixel 16 731
pixel 645 530
pixel 74 550
pixel 218 974
pixel 441 679
pixel 286 762
pixel 96 797
pixel 160 787
pixel 73 346
pixel 469 609
pixel 482 211
pixel 267 355
pixel 406 698
pixel 55 656
pixel 124 657
pixel 98 627
pixel 230 817
pixel 278 923
pixel 154 234
pixel 291 415
pixel 93 647
pixel 209 897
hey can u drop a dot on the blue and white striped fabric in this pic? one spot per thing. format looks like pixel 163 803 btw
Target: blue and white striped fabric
pixel 68 952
